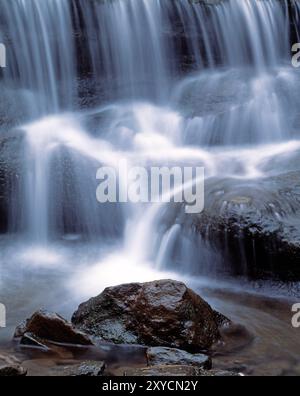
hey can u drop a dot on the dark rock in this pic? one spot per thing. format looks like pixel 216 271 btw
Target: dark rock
pixel 161 313
pixel 10 169
pixel 83 369
pixel 188 371
pixel 253 225
pixel 12 371
pixel 51 327
pixel 10 366
pixel 21 329
pixel 158 356
pixel 207 2
pixel 29 339
pixel 221 320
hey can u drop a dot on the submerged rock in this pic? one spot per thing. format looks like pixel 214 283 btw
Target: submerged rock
pixel 158 356
pixel 10 366
pixel 161 313
pixel 32 340
pixel 88 368
pixel 49 326
pixel 12 371
pixel 174 371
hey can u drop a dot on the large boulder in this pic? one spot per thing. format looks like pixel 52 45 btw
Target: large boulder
pixel 161 313
pixel 44 325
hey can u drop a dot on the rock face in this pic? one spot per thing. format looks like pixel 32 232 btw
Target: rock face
pixel 158 356
pixel 10 170
pixel 162 313
pixel 254 226
pixel 49 326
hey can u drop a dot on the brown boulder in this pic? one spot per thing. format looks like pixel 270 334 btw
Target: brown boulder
pixel 50 326
pixel 161 313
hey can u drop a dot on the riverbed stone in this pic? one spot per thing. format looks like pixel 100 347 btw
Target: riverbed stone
pixel 89 368
pixel 174 371
pixel 52 327
pixel 160 313
pixel 157 356
pixel 12 371
pixel 31 340
pixel 10 366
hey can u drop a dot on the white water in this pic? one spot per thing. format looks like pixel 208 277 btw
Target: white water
pixel 234 113
pixel 40 51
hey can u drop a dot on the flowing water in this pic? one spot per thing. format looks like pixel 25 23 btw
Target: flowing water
pixel 157 82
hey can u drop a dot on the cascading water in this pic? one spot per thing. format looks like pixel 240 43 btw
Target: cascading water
pixel 241 92
pixel 126 46
pixel 40 51
pixel 153 81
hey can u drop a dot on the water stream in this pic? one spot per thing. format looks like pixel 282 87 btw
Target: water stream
pixel 155 82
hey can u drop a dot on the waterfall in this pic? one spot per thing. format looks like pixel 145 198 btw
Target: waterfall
pixel 130 42
pixel 296 17
pixel 40 52
pixel 234 32
pixel 125 44
pixel 153 81
pixel 134 47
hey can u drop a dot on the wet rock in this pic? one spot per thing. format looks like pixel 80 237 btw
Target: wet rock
pixel 15 107
pixel 83 369
pixel 161 313
pixel 10 366
pixel 158 356
pixel 207 2
pixel 52 327
pixel 188 371
pixel 12 371
pixel 254 226
pixel 10 170
pixel 29 339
